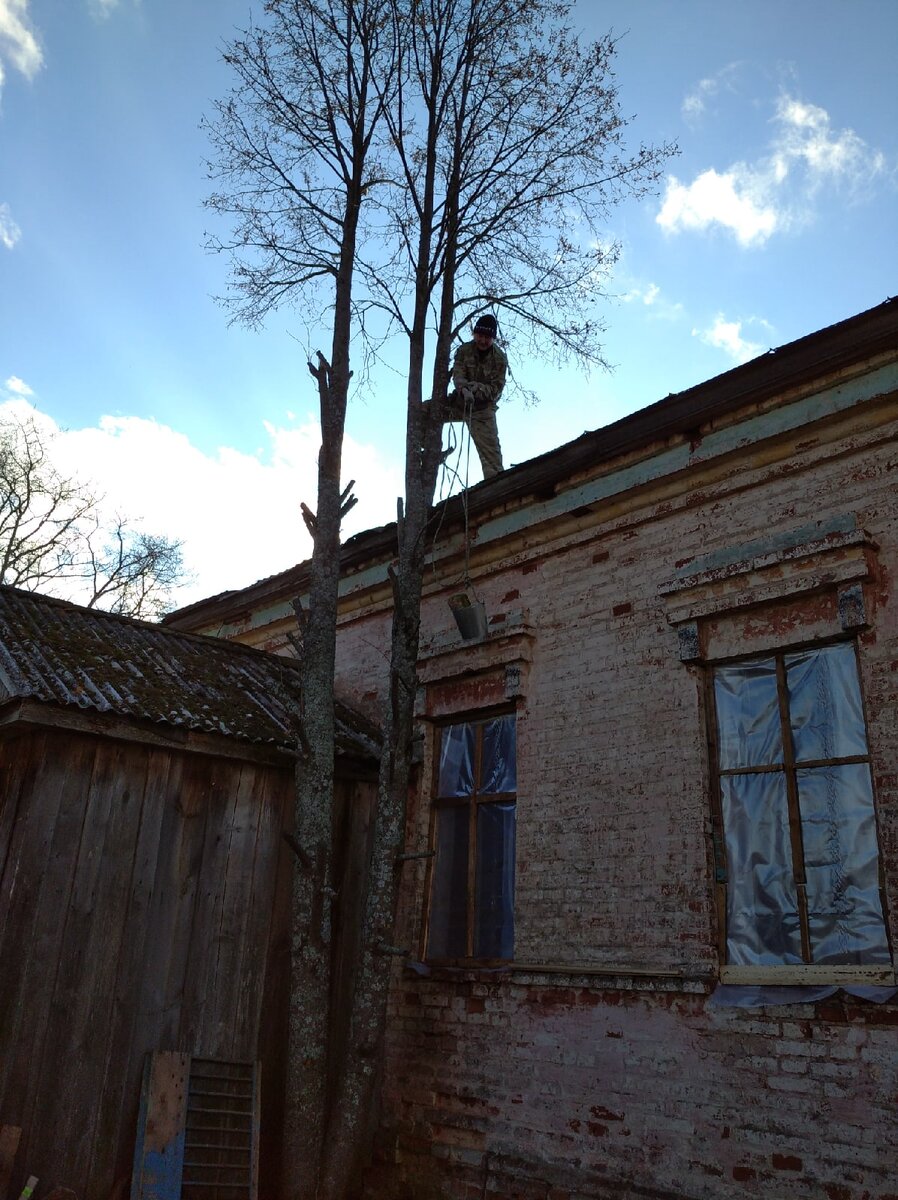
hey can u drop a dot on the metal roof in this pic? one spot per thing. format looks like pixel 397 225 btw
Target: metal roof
pixel 58 653
pixel 838 347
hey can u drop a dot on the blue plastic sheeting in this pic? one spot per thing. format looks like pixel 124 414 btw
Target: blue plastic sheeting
pixel 728 995
pixel 457 761
pixel 494 927
pixel 763 925
pixel 498 771
pixel 485 749
pixel 824 718
pixel 449 896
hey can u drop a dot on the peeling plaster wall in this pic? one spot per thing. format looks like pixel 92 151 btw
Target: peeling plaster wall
pixel 594 1067
pixel 568 1084
pixel 528 1091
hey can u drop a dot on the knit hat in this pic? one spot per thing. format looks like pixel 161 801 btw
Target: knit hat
pixel 486 324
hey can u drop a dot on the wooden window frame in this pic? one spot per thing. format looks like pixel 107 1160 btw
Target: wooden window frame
pixel 787 973
pixel 473 802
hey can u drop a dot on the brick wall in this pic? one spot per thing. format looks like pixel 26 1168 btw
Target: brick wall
pixel 568 1082
pixel 502 1089
pixel 595 1067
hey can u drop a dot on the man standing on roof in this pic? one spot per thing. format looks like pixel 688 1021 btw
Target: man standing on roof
pixel 478 374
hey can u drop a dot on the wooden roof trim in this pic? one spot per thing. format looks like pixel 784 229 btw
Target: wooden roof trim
pixel 20 716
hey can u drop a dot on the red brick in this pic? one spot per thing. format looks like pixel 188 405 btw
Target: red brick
pixel 786 1162
pixel 613 849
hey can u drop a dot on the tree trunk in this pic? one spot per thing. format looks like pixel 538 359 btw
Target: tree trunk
pixel 312 951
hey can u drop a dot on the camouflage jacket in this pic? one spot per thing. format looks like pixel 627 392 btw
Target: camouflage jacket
pixel 486 367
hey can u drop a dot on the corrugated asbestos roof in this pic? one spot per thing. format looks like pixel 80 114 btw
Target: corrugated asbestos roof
pixel 59 653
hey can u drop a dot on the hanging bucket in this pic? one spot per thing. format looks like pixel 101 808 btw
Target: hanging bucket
pixel 470 616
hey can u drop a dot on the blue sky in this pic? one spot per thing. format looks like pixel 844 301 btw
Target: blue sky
pixel 777 218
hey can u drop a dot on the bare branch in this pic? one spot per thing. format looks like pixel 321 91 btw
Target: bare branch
pixel 396 166
pixel 53 538
pixel 309 518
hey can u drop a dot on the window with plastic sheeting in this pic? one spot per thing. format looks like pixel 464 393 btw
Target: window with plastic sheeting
pixel 472 878
pixel 802 878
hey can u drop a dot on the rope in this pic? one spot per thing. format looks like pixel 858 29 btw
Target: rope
pixel 450 473
pixel 469 414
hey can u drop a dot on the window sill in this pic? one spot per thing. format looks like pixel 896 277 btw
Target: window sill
pixel 627 978
pixel 792 975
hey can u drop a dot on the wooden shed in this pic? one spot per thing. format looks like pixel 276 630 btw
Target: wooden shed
pixel 146 782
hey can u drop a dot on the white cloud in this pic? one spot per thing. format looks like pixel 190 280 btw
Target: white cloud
pixel 18 387
pixel 238 514
pixel 733 200
pixel 650 296
pixel 19 44
pixel 755 200
pixel 695 102
pixel 9 230
pixel 18 41
pixel 647 295
pixel 102 8
pixel 806 139
pixel 727 336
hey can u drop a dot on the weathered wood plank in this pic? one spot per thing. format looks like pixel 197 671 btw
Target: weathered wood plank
pixel 113 1145
pixel 14 760
pixel 275 791
pixel 26 840
pixel 162 906
pixel 198 1033
pixel 257 1102
pixel 171 916
pixel 239 934
pixel 51 815
pixel 159 1152
pixel 9 1144
pixel 73 1060
pixel 37 715
pixel 808 973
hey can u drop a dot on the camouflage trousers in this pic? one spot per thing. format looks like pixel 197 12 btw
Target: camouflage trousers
pixel 481 423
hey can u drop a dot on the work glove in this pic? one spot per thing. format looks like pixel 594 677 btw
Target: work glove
pixel 480 394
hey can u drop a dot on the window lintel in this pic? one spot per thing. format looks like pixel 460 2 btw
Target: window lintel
pixel 750 575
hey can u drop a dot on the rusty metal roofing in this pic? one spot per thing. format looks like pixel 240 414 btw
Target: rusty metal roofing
pixel 58 653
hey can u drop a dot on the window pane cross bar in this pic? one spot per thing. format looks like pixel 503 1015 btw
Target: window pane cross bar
pixel 467 802
pixel 472 839
pixel 498 797
pixel 807 764
pixel 800 881
pixel 794 810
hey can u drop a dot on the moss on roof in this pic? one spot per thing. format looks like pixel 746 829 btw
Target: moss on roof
pixel 60 653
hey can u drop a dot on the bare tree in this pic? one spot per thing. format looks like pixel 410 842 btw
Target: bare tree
pixel 501 159
pixel 130 572
pixel 294 147
pixel 53 537
pixel 508 136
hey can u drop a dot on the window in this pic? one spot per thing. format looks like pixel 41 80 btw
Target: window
pixel 472 882
pixel 796 811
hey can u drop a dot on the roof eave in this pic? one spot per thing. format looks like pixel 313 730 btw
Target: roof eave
pixel 800 363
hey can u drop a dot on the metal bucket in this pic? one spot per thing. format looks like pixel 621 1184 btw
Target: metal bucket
pixel 470 617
